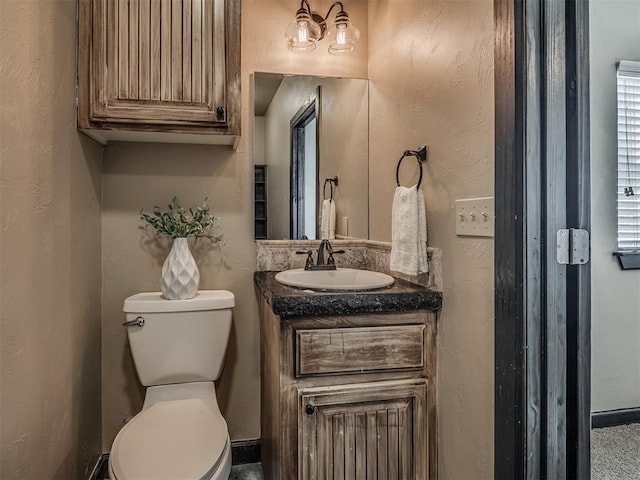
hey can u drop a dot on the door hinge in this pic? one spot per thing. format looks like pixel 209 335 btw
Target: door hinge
pixel 573 246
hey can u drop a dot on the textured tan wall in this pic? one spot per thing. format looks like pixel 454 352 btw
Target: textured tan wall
pixel 437 90
pixel 431 81
pixel 142 175
pixel 50 251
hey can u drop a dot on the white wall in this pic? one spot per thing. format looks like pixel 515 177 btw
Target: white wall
pixel 615 298
pixel 50 251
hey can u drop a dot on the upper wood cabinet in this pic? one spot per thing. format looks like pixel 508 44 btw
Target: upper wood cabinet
pixel 159 70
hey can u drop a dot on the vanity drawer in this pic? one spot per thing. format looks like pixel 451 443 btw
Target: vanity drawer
pixel 359 350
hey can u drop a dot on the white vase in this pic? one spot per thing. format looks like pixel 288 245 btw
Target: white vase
pixel 180 275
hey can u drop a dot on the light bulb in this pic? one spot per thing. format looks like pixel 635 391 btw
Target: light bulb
pixel 303 33
pixel 342 35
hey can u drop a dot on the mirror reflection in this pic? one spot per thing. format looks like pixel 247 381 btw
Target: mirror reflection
pixel 311 156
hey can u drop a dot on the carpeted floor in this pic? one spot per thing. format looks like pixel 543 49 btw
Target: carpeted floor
pixel 615 453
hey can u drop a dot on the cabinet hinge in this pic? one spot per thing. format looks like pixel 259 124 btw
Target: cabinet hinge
pixel 572 246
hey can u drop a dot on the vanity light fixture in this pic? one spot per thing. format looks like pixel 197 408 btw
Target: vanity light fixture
pixel 309 27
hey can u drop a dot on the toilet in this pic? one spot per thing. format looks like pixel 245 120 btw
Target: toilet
pixel 178 347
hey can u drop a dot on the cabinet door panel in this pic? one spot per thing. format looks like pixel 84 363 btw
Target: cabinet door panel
pixel 144 34
pixel 163 61
pixel 196 51
pixel 368 431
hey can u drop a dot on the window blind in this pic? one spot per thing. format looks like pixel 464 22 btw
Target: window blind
pixel 628 80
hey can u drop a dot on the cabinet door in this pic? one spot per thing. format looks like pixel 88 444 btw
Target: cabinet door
pixel 158 62
pixel 368 431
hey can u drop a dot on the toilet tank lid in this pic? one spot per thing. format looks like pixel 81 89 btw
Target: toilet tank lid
pixel 154 302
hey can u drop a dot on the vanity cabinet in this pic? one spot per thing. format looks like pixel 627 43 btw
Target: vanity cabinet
pixel 348 396
pixel 159 70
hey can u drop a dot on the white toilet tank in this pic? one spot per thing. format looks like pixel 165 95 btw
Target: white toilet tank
pixel 180 340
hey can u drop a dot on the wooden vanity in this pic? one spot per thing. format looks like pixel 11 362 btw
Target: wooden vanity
pixel 348 388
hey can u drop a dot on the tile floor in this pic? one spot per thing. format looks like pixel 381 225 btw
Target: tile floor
pixel 249 471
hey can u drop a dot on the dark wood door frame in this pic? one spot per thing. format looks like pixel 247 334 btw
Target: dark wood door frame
pixel 300 120
pixel 578 215
pixel 542 325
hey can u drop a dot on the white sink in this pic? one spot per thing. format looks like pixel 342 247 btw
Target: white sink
pixel 340 279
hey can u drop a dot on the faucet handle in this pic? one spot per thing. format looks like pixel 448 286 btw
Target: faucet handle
pixel 309 262
pixel 331 260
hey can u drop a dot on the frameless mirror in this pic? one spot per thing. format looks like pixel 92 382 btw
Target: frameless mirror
pixel 311 140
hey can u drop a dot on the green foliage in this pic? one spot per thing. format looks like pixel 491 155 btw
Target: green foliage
pixel 177 223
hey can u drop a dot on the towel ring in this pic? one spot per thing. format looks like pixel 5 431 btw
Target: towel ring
pixel 421 156
pixel 324 190
pixel 331 181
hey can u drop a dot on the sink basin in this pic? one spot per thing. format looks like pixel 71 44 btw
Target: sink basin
pixel 340 279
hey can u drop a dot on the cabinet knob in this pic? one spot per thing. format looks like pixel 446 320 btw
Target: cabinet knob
pixel 309 409
pixel 220 111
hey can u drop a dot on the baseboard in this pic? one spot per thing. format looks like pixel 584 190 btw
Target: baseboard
pixel 613 418
pixel 245 451
pixel 101 470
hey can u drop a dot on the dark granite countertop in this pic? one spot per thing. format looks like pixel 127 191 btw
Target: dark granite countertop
pixel 292 302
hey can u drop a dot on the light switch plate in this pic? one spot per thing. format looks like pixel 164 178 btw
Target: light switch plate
pixel 475 217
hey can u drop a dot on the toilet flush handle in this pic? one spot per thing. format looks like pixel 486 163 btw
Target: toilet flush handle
pixel 138 322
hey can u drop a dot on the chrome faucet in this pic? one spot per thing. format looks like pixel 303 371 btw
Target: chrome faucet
pixel 325 246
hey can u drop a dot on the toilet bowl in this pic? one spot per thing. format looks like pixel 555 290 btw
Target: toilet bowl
pixel 179 434
pixel 178 349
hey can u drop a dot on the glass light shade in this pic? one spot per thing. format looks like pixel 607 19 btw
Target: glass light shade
pixel 342 35
pixel 303 33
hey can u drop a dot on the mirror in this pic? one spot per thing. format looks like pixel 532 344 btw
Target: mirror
pixel 309 130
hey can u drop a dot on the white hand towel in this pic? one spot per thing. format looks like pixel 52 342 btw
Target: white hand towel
pixel 328 221
pixel 332 220
pixel 408 232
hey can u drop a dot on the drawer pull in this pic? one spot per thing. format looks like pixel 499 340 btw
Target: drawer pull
pixel 309 409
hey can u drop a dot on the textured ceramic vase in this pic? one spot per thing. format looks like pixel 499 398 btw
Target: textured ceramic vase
pixel 180 275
